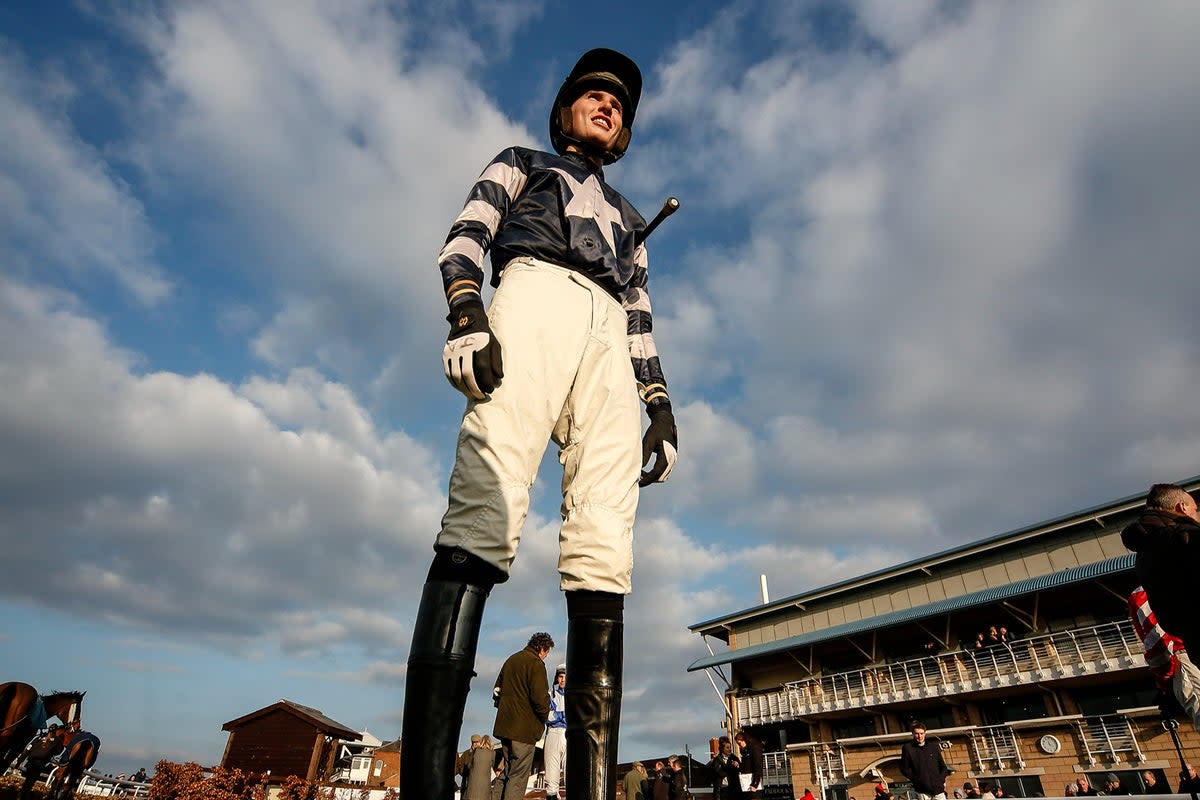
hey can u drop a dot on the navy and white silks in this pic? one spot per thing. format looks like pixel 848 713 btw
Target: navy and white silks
pixel 557 209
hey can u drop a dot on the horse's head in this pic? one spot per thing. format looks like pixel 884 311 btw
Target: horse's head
pixel 67 706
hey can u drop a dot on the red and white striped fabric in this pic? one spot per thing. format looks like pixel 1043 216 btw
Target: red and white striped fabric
pixel 1160 647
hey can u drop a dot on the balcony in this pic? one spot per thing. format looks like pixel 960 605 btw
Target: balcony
pixel 1063 654
pixel 1102 741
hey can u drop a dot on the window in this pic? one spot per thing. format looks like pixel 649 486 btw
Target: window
pixel 778 734
pixel 852 727
pixel 378 767
pixel 933 717
pixel 1019 786
pixel 1011 709
pixel 1099 700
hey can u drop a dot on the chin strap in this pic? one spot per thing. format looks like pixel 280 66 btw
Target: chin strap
pixel 605 157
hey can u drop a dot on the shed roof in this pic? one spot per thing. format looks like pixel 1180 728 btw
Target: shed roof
pixel 983 597
pixel 314 717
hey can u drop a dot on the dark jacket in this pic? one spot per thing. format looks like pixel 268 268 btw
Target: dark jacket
pixel 524 698
pixel 678 790
pixel 661 787
pixel 724 770
pixel 752 760
pixel 44 748
pixel 1168 560
pixel 923 765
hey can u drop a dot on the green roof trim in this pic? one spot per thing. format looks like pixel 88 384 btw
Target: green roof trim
pixel 1087 572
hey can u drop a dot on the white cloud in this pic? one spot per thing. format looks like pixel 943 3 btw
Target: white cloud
pixel 339 155
pixel 171 472
pixel 956 262
pixel 63 209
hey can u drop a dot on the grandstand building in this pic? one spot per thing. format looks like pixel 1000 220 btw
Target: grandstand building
pixel 830 679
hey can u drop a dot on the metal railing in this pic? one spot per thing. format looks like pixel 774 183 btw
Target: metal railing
pixel 107 786
pixel 776 771
pixel 995 747
pixel 1109 736
pixel 1099 648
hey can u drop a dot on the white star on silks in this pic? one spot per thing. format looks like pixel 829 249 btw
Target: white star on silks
pixel 581 205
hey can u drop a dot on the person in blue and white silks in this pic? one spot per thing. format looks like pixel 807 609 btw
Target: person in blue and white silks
pixel 554 751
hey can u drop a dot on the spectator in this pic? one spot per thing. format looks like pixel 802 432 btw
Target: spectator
pixel 999 792
pixel 922 763
pixel 985 791
pixel 969 791
pixel 635 782
pixel 554 749
pixel 752 764
pixel 661 787
pixel 1189 782
pixel 679 785
pixel 881 791
pixel 1166 538
pixel 1083 788
pixel 1153 784
pixel 808 795
pixel 524 705
pixel 462 762
pixel 1112 785
pixel 725 770
pixel 480 769
pixel 140 776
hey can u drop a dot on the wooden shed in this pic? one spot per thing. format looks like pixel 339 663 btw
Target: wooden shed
pixel 286 739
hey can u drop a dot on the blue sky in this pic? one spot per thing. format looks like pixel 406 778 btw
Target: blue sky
pixel 934 278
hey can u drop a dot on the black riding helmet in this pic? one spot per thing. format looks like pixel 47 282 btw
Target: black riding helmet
pixel 607 69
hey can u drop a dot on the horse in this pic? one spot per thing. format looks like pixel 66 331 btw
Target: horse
pixel 23 713
pixel 82 749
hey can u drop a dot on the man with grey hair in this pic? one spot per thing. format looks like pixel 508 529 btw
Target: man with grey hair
pixel 1166 539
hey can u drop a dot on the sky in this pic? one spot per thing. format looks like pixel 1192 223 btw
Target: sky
pixel 933 279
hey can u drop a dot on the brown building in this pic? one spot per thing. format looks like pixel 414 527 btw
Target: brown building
pixel 285 739
pixel 385 767
pixel 831 678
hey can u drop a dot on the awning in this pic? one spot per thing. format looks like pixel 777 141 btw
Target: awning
pixel 980 598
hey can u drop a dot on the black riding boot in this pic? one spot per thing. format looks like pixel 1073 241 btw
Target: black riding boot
pixel 593 690
pixel 440 667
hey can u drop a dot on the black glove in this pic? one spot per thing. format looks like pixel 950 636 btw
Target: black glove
pixel 661 440
pixel 472 353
